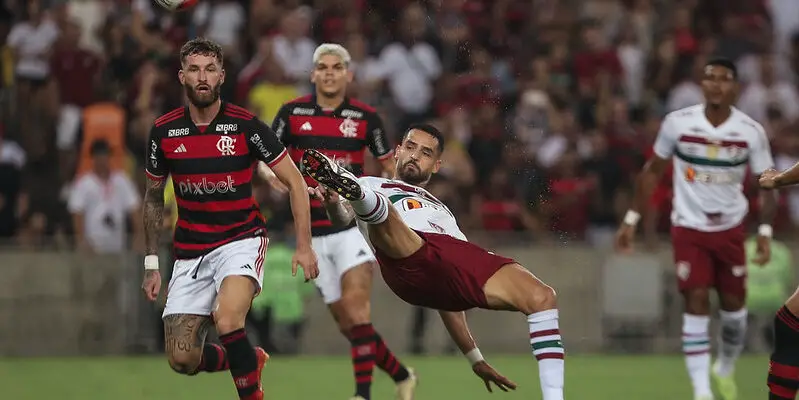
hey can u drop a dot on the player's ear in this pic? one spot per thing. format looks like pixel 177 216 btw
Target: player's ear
pixel 313 76
pixel 222 76
pixel 437 166
pixel 350 76
pixel 181 76
pixel 396 152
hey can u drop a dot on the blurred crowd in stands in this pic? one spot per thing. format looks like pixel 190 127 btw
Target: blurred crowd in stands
pixel 549 106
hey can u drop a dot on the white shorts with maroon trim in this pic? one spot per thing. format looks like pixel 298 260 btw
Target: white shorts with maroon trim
pixel 196 281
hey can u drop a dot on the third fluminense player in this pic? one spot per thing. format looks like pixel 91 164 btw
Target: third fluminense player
pixel 712 145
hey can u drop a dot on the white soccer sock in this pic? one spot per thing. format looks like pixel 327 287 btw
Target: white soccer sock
pixel 547 347
pixel 372 208
pixel 733 336
pixel 696 347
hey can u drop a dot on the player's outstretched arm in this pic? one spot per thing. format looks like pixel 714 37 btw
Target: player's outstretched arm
pixel 338 210
pixel 289 175
pixel 458 329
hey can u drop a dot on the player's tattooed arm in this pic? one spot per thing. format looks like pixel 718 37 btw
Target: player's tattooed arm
pixel 153 214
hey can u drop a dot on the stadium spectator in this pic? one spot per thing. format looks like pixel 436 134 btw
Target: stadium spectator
pixel 103 202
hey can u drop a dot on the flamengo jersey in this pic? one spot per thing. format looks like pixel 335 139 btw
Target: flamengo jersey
pixel 212 171
pixel 420 210
pixel 710 165
pixel 342 134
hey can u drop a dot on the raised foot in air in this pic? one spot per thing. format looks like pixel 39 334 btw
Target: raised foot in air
pixel 330 175
pixel 406 389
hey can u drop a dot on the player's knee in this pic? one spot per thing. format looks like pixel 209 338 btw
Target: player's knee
pixel 353 310
pixel 731 302
pixel 184 363
pixel 542 298
pixel 228 322
pixel 697 301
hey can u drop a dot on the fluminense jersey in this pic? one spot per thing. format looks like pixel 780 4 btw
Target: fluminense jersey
pixel 710 165
pixel 420 210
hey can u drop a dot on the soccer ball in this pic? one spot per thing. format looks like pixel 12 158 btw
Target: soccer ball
pixel 177 5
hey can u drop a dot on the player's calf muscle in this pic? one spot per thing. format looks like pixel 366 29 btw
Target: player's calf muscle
pixel 184 336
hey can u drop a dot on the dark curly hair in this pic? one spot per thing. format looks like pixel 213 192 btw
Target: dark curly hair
pixel 201 46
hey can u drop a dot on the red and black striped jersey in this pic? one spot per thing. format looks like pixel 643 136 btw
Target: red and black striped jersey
pixel 344 133
pixel 212 169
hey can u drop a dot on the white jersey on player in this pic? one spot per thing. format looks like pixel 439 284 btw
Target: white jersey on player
pixel 710 165
pixel 420 210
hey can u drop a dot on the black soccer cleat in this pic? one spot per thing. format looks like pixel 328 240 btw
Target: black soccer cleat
pixel 330 175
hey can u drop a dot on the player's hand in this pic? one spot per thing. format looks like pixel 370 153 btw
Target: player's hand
pixel 324 194
pixel 151 284
pixel 624 239
pixel 766 180
pixel 489 375
pixel 763 252
pixel 305 258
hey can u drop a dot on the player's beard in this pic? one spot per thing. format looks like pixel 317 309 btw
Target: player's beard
pixel 415 177
pixel 203 100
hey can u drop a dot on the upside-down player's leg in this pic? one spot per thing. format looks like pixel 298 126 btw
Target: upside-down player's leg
pixel 783 373
pixel 387 231
pixel 515 288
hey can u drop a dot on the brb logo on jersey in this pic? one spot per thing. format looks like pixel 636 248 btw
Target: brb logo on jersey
pixel 226 145
pixel 204 186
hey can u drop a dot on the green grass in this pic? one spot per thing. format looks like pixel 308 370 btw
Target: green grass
pixel 588 377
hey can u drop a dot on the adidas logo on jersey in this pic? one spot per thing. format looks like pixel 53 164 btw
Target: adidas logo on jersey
pixel 306 127
pixel 180 149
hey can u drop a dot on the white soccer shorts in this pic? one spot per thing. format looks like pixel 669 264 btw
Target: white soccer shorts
pixel 196 281
pixel 338 253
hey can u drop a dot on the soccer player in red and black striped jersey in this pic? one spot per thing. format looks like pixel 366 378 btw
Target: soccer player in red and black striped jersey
pixel 343 128
pixel 210 149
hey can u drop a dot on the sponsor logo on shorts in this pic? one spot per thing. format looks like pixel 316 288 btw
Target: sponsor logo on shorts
pixel 683 270
pixel 247 266
pixel 361 253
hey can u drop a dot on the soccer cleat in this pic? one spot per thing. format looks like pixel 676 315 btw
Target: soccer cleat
pixel 726 386
pixel 330 175
pixel 407 388
pixel 263 357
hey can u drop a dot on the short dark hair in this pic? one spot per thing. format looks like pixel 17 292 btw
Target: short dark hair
pixel 99 147
pixel 724 62
pixel 201 46
pixel 430 130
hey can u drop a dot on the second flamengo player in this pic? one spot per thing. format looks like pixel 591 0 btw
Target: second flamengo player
pixel 343 128
pixel 712 145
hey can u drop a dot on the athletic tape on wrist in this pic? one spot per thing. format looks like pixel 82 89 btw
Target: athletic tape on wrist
pixel 474 356
pixel 151 262
pixel 765 230
pixel 632 218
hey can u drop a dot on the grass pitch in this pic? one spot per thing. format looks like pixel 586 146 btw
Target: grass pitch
pixel 146 378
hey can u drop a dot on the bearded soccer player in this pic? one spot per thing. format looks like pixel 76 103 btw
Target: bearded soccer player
pixel 712 144
pixel 209 148
pixel 341 127
pixel 783 373
pixel 427 261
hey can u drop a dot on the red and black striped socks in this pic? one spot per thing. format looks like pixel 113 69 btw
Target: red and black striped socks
pixel 214 359
pixel 243 362
pixel 368 350
pixel 783 373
